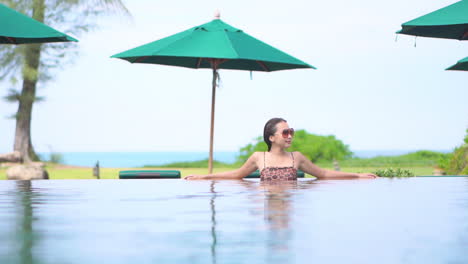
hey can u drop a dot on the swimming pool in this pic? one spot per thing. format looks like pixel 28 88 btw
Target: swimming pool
pixel 413 220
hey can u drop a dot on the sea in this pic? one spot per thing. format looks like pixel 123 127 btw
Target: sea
pixel 141 159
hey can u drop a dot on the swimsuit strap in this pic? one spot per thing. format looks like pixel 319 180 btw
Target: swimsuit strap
pixel 292 159
pixel 264 162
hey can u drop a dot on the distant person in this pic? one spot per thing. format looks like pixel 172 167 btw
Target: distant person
pixel 277 164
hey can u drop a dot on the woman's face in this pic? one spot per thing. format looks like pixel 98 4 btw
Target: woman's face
pixel 283 135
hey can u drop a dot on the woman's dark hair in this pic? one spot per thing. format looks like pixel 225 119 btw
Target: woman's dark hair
pixel 270 129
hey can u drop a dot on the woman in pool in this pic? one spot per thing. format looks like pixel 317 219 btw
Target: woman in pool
pixel 277 164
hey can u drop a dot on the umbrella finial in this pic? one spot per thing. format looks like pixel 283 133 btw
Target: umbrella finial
pixel 217 14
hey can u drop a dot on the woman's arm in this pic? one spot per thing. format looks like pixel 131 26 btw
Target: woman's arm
pixel 249 166
pixel 307 166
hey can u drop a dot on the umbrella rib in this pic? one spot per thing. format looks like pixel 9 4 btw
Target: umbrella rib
pixel 230 43
pixel 221 61
pixel 199 61
pixel 263 65
pixel 139 59
pixel 465 35
pixel 10 39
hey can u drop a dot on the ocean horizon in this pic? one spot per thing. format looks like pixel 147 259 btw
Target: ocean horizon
pixel 140 159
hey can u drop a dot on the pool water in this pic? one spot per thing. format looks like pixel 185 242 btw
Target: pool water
pixel 413 220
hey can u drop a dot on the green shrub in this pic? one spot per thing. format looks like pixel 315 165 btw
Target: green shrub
pixel 421 158
pixel 444 163
pixel 390 172
pixel 56 157
pixel 317 148
pixel 457 163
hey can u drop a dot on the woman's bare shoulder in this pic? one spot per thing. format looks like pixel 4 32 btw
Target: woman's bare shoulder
pixel 257 154
pixel 298 154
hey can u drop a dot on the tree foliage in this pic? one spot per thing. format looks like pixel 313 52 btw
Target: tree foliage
pixel 390 173
pixel 315 147
pixel 28 66
pixel 457 163
pixel 74 17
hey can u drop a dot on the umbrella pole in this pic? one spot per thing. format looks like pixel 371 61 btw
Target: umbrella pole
pixel 213 96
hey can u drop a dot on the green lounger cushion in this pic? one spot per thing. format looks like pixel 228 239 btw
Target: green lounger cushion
pixel 149 174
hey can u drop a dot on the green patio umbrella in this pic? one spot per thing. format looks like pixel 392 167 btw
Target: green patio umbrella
pixel 214 45
pixel 450 22
pixel 16 28
pixel 461 65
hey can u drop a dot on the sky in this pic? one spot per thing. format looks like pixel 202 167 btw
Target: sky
pixel 372 89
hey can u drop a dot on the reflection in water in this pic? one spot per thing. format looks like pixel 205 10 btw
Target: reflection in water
pixel 234 221
pixel 278 209
pixel 277 199
pixel 278 204
pixel 25 235
pixel 213 222
pixel 277 214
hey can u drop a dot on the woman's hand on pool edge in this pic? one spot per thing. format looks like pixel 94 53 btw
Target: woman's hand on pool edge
pixel 194 177
pixel 367 176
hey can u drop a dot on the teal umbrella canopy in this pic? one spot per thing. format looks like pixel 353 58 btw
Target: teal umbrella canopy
pixel 214 45
pixel 450 22
pixel 16 28
pixel 197 47
pixel 461 65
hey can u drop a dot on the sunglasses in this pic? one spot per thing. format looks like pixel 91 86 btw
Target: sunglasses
pixel 288 131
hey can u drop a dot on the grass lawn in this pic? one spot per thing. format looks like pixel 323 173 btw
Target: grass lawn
pixel 63 172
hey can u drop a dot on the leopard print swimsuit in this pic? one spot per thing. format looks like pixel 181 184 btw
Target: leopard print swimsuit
pixel 278 173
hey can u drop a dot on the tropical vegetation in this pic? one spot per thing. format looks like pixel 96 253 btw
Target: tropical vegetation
pixel 456 163
pixel 29 66
pixel 315 147
pixel 391 172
